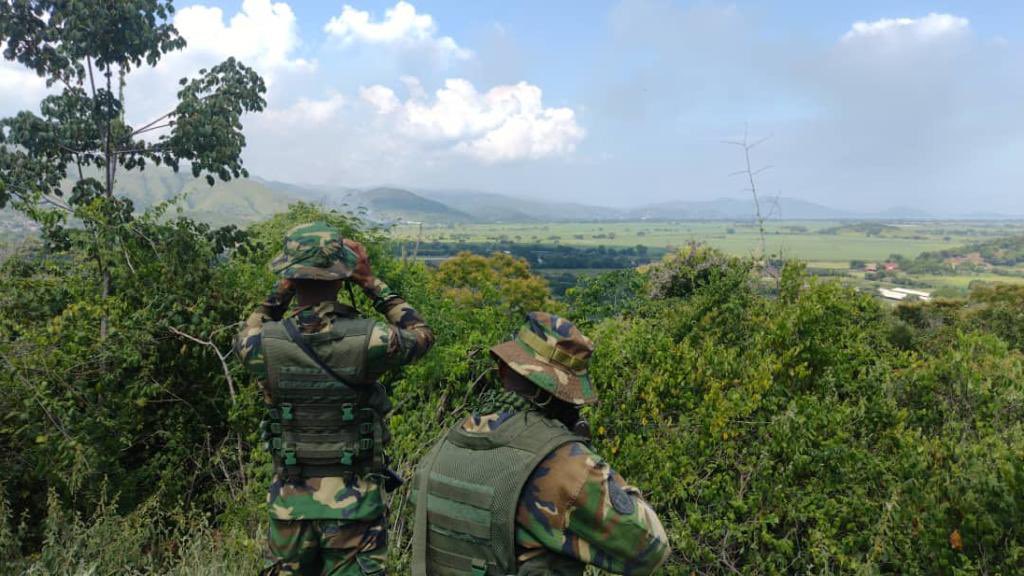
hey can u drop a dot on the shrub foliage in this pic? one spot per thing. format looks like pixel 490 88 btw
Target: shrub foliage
pixel 810 431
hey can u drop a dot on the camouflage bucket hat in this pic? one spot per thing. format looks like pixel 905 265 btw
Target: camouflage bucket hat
pixel 553 354
pixel 314 251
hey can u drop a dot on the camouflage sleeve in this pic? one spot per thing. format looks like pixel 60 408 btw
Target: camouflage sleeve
pixel 575 505
pixel 403 339
pixel 248 343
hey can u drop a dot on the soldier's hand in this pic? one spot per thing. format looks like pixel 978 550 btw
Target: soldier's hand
pixel 362 274
pixel 284 288
pixel 279 298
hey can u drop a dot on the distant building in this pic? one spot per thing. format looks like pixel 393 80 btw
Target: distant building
pixel 974 259
pixel 901 294
pixel 891 266
pixel 892 294
pixel 871 267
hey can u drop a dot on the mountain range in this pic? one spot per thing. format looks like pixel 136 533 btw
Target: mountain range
pixel 248 200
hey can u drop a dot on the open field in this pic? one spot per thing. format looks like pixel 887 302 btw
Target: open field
pixel 828 247
pixel 826 243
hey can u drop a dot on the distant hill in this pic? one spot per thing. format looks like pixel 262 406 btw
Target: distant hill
pixel 249 200
pixel 398 204
pixel 738 209
pixel 486 207
pixel 240 201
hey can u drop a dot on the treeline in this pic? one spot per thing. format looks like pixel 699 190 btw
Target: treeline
pixel 796 428
pixel 545 256
pixel 978 256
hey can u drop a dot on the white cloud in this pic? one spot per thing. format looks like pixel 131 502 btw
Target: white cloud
pixel 505 123
pixel 305 111
pixel 19 87
pixel 401 26
pixel 263 34
pixel 929 27
pixel 382 98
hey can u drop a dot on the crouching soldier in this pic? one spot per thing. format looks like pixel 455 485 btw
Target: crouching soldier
pixel 318 365
pixel 516 488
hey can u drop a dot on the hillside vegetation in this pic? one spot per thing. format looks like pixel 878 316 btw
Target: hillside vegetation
pixel 793 428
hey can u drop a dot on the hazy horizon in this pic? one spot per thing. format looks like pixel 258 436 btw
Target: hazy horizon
pixel 869 105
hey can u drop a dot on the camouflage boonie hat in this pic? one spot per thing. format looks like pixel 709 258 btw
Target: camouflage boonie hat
pixel 314 251
pixel 553 354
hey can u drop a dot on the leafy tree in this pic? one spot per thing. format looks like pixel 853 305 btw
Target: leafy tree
pixel 498 280
pixel 86 52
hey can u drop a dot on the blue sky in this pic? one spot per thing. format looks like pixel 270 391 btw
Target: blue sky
pixel 868 104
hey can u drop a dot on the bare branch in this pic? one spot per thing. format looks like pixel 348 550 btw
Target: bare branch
pixel 150 125
pixel 750 173
pixel 51 200
pixel 220 356
pixel 92 81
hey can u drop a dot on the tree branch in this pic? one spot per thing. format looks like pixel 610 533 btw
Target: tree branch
pixel 148 126
pixel 220 356
pixel 92 82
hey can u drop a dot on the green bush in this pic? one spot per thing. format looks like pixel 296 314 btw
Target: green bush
pixel 811 430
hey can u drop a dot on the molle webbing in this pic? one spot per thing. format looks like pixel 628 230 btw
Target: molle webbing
pixel 317 425
pixel 468 492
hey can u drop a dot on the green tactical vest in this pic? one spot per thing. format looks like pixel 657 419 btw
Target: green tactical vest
pixel 316 425
pixel 468 489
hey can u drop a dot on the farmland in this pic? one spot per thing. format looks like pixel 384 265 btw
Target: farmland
pixel 828 247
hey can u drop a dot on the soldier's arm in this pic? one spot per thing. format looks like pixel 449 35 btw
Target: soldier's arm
pixel 248 342
pixel 576 505
pixel 403 339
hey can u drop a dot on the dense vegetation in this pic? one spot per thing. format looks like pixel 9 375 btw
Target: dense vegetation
pixel 546 256
pixel 779 425
pixel 798 427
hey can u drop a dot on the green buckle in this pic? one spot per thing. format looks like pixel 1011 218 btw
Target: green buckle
pixel 275 428
pixel 366 428
pixel 274 414
pixel 479 568
pixel 346 458
pixel 286 412
pixel 347 413
pixel 275 444
pixel 289 458
pixel 365 444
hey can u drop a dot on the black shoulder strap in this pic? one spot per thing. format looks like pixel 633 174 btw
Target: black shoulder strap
pixel 296 337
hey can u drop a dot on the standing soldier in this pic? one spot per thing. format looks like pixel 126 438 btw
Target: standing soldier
pixel 318 365
pixel 516 488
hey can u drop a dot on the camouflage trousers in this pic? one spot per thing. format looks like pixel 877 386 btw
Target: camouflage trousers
pixel 327 547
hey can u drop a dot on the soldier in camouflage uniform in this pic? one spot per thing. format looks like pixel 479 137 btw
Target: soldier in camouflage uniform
pixel 516 488
pixel 318 364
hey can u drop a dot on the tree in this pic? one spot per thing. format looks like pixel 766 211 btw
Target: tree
pixel 499 280
pixel 62 163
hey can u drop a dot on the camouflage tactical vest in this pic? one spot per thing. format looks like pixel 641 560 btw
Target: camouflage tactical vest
pixel 468 489
pixel 316 425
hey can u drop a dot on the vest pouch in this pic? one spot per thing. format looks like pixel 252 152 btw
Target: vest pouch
pixel 332 427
